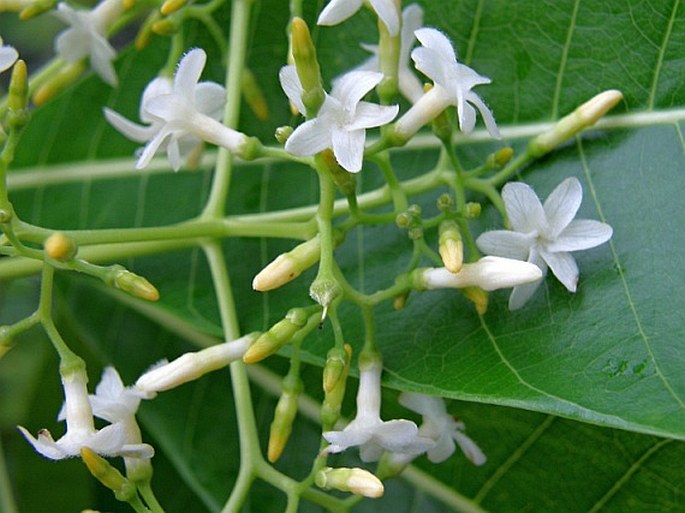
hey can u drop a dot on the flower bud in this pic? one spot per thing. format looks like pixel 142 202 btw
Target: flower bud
pixel 325 290
pixel 355 480
pixel 337 360
pixel 334 388
pixel 282 133
pixel 35 8
pixel 109 476
pixel 500 157
pixel 60 247
pixel 191 366
pixel 284 415
pixel 584 116
pixel 18 114
pixel 56 84
pixel 450 246
pixel 278 335
pixel 444 202
pixel 166 27
pixel 473 210
pixel 171 6
pixel 135 285
pixel 488 273
pixel 307 66
pixel 288 266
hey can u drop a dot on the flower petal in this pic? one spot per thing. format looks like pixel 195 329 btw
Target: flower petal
pixel 188 73
pixel 581 234
pixel 485 112
pixel 151 148
pixel 472 452
pixel 523 208
pixel 337 11
pixel 348 147
pixel 437 41
pixel 430 63
pixel 506 243
pixel 292 87
pixel 563 266
pixel 562 205
pixel 309 138
pixel 467 117
pixel 133 131
pixel 369 115
pixel 8 56
pixel 210 99
pixel 387 11
pixel 350 88
pixel 101 56
pixel 522 293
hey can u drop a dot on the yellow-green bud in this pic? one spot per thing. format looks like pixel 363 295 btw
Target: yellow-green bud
pixel 253 95
pixel 60 247
pixel 337 360
pixel 282 133
pixel 288 266
pixel 68 74
pixel 330 409
pixel 135 285
pixel 268 343
pixel 355 480
pixel 403 220
pixel 145 33
pixel 109 476
pixel 473 210
pixel 35 8
pixel 171 6
pixel 500 157
pixel 399 302
pixel 307 66
pixel 444 202
pixel 166 27
pixel 284 415
pixel 18 115
pixel 478 297
pixel 584 116
pixel 451 246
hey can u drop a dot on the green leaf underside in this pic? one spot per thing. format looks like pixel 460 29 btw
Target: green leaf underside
pixel 608 355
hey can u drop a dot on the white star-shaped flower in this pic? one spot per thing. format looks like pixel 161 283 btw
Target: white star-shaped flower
pixel 452 84
pixel 8 56
pixel 544 235
pixel 81 432
pixel 409 85
pixel 339 10
pixel 179 114
pixel 368 431
pixel 440 426
pixel 87 36
pixel 342 120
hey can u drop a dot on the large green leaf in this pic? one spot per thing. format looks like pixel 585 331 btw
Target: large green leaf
pixel 609 355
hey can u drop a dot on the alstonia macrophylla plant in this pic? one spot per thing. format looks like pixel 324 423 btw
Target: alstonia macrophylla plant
pixel 341 132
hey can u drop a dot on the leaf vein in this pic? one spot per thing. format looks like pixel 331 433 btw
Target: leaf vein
pixel 662 52
pixel 564 60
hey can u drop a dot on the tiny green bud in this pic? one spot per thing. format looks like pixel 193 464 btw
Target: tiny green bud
pixel 19 87
pixel 414 210
pixel 355 480
pixel 444 202
pixel 403 220
pixel 330 409
pixel 36 8
pixel 336 361
pixel 135 285
pixel 473 210
pixel 400 301
pixel 297 316
pixel 415 232
pixel 584 116
pixel 60 247
pixel 451 246
pixel 56 84
pixel 307 66
pixel 282 133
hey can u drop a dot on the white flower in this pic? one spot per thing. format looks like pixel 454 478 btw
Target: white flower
pixel 438 425
pixel 409 85
pixel 452 84
pixel 81 432
pixel 368 431
pixel 8 56
pixel 189 366
pixel 544 235
pixel 342 120
pixel 184 111
pixel 488 273
pixel 118 404
pixel 339 10
pixel 87 36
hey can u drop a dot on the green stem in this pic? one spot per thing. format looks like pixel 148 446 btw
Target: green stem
pixel 150 499
pixel 7 503
pixel 240 23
